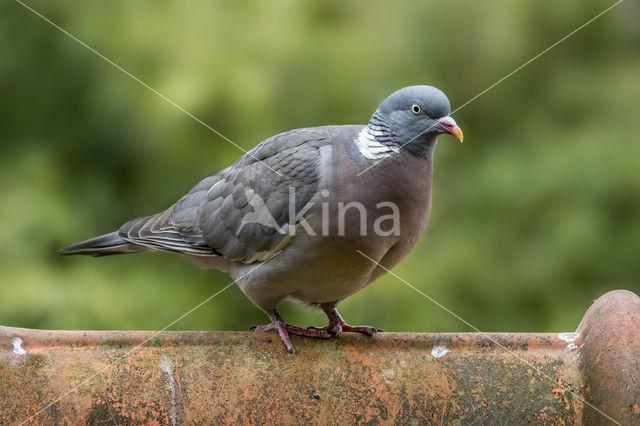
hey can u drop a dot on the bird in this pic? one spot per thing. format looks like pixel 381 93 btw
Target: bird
pixel 312 215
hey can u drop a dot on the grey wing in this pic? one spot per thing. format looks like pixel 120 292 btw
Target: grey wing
pixel 243 212
pixel 246 215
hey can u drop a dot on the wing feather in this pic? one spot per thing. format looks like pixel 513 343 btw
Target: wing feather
pixel 220 215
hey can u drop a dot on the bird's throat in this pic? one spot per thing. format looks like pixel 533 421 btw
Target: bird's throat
pixel 422 146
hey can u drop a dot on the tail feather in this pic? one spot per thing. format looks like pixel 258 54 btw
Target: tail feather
pixel 103 245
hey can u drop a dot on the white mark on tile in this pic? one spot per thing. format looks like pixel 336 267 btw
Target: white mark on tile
pixel 167 366
pixel 439 351
pixel 572 347
pixel 17 348
pixel 568 337
pixel 389 374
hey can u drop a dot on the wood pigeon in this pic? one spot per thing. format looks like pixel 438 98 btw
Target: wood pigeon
pixel 293 217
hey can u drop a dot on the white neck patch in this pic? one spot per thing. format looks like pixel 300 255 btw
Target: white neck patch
pixel 370 148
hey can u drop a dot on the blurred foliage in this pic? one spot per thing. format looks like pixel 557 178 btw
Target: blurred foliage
pixel 534 216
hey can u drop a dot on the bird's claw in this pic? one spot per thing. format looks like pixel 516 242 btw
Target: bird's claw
pixel 338 329
pixel 335 328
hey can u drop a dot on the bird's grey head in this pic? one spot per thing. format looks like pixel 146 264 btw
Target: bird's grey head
pixel 414 117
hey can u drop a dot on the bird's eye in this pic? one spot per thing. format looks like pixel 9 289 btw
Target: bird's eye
pixel 415 108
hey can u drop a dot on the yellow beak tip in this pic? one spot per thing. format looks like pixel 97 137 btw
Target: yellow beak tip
pixel 457 132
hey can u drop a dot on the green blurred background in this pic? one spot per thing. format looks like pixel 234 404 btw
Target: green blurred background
pixel 535 215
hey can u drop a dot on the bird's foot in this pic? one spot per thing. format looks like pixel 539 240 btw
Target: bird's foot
pixel 320 333
pixel 338 329
pixel 337 325
pixel 364 329
pixel 284 329
pixel 264 327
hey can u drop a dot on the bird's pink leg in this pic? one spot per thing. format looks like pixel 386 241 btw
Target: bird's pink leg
pixel 337 325
pixel 283 328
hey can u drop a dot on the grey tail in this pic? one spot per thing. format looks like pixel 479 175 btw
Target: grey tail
pixel 103 245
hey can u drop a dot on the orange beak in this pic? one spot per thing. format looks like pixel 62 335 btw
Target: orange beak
pixel 457 132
